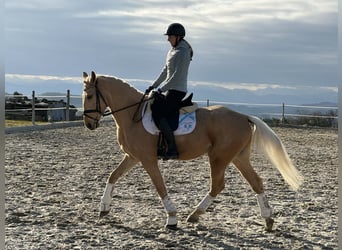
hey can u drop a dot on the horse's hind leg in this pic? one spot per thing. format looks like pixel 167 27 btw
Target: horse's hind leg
pixel 217 170
pixel 242 162
pixel 125 165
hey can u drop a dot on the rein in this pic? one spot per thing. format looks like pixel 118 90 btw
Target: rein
pixel 107 113
pixel 129 106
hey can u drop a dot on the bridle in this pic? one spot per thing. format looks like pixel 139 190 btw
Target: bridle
pixel 97 109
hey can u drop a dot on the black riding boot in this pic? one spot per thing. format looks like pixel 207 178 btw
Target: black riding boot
pixel 171 152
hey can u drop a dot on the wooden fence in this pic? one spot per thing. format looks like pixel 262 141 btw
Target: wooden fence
pixel 280 111
pixel 33 107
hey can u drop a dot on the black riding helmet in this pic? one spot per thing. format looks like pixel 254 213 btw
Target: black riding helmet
pixel 175 29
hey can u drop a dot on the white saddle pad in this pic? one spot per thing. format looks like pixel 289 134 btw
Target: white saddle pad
pixel 187 123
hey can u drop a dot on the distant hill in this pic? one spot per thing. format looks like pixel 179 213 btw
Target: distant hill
pixel 52 94
pixel 56 96
pixel 323 104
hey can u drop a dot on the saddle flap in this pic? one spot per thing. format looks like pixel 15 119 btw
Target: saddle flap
pixel 187 122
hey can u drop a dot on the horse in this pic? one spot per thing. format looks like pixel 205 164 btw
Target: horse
pixel 224 135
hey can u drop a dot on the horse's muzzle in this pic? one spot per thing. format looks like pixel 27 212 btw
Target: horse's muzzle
pixel 92 125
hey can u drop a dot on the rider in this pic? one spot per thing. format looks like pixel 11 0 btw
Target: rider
pixel 174 76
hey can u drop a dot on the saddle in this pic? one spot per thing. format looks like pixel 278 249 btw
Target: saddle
pixel 186 106
pixel 185 111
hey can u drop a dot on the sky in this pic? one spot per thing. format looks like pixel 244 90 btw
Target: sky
pixel 236 42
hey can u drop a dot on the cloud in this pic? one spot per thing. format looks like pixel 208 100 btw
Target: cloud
pixel 143 83
pixel 287 42
pixel 244 86
pixel 30 78
pixel 215 91
pixel 332 89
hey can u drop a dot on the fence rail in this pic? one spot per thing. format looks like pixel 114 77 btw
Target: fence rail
pixel 282 114
pixel 31 109
pixel 306 110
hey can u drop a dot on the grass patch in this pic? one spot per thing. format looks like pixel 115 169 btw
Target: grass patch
pixel 19 123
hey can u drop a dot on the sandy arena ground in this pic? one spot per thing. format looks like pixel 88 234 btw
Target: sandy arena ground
pixel 55 178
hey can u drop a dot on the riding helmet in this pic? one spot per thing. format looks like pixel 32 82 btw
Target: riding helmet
pixel 175 29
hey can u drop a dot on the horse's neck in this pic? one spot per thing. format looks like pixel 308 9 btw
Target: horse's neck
pixel 121 95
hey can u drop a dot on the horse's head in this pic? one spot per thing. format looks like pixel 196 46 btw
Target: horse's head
pixel 93 103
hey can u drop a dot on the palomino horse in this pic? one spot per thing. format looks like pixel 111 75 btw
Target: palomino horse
pixel 224 135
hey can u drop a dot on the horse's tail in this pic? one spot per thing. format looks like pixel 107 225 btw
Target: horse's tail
pixel 267 141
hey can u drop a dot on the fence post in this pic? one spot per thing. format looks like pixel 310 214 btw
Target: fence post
pixel 283 114
pixel 33 108
pixel 207 102
pixel 67 111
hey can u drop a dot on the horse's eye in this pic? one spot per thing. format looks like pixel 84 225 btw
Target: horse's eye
pixel 89 97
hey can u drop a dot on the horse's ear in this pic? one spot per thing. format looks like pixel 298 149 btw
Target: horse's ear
pixel 93 77
pixel 85 75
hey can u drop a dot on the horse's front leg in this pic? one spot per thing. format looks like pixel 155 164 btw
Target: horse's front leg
pixel 158 181
pixel 125 165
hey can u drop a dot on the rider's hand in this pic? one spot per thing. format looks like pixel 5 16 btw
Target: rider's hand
pixel 148 90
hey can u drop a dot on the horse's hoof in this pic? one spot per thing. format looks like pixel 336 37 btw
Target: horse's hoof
pixel 171 227
pixel 103 213
pixel 269 224
pixel 171 222
pixel 193 218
